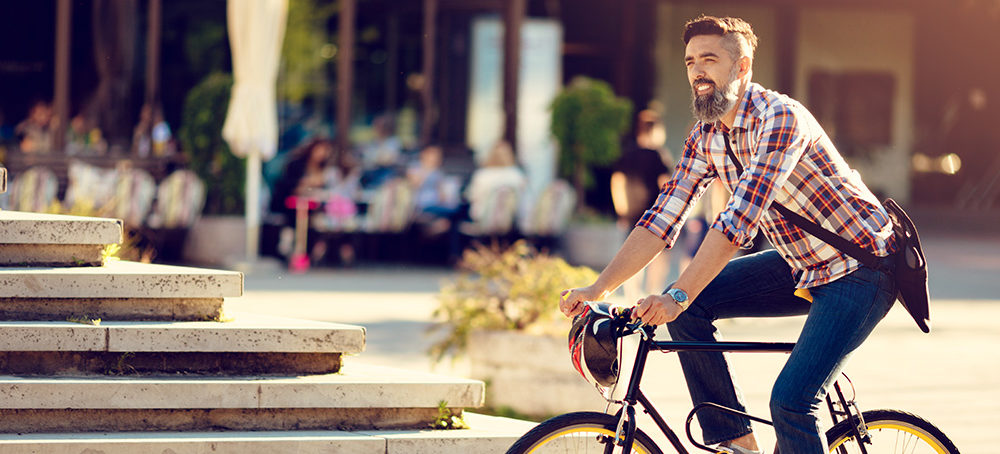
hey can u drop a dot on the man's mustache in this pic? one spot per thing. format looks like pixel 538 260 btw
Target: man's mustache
pixel 703 80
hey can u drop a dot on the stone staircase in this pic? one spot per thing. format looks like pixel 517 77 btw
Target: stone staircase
pixel 103 356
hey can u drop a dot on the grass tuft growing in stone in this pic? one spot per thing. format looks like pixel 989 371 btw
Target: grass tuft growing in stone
pixel 84 320
pixel 447 421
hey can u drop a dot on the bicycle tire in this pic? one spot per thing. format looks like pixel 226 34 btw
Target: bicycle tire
pixel 892 431
pixel 578 432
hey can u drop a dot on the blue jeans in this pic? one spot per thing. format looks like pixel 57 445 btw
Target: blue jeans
pixel 842 315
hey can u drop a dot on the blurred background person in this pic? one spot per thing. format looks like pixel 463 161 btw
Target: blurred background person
pixel 435 194
pixel 83 136
pixel 297 193
pixel 380 157
pixel 34 134
pixel 640 172
pixel 499 169
pixel 6 131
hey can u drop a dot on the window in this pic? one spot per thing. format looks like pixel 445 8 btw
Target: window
pixel 855 109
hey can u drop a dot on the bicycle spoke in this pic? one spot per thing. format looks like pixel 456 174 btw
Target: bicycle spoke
pixel 893 439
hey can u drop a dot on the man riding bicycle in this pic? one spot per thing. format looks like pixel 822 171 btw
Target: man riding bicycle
pixel 784 157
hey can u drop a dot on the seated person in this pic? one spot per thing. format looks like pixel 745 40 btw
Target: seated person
pixel 317 174
pixel 380 156
pixel 304 175
pixel 6 131
pixel 34 133
pixel 342 186
pixel 436 198
pixel 82 137
pixel 498 170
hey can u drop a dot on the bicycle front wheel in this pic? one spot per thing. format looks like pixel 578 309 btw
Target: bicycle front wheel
pixel 582 432
pixel 891 431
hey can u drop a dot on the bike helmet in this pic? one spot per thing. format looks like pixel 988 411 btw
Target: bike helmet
pixel 593 345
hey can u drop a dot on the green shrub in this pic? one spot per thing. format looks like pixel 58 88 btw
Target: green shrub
pixel 223 172
pixel 588 121
pixel 513 289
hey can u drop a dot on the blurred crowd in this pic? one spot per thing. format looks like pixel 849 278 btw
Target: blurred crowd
pixel 379 187
pixel 34 134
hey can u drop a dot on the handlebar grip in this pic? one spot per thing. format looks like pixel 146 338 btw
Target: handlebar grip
pixel 624 313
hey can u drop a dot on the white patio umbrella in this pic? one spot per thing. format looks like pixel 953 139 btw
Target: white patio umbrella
pixel 256 30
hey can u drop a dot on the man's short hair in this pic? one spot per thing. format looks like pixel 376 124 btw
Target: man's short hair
pixel 740 39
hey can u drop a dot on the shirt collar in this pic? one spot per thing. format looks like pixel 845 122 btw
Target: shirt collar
pixel 744 113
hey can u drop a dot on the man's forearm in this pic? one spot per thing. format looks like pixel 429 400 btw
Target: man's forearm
pixel 639 249
pixel 713 255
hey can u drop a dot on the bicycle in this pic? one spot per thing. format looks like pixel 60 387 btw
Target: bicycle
pixel 853 431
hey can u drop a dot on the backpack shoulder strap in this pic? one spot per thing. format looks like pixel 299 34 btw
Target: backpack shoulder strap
pixel 828 237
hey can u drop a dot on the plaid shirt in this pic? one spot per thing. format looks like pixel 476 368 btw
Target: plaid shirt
pixel 788 159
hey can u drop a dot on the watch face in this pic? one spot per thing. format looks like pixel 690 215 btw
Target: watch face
pixel 678 295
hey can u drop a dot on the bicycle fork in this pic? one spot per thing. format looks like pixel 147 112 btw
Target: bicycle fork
pixel 626 428
pixel 849 410
pixel 625 432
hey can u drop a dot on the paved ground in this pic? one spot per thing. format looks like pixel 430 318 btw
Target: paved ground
pixel 950 377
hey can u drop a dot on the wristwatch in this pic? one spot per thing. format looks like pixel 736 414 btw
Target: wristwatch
pixel 680 296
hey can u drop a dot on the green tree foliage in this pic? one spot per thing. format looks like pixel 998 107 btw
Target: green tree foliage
pixel 209 156
pixel 206 46
pixel 588 121
pixel 512 289
pixel 304 66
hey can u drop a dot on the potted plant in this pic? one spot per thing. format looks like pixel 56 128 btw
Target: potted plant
pixel 588 121
pixel 207 153
pixel 217 237
pixel 502 312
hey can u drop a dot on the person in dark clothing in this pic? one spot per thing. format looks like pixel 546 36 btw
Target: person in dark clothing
pixel 642 169
pixel 304 173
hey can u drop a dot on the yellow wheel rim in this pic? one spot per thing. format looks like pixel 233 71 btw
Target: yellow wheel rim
pixel 905 428
pixel 582 431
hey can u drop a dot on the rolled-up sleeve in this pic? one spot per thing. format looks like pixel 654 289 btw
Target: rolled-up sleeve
pixel 780 146
pixel 677 196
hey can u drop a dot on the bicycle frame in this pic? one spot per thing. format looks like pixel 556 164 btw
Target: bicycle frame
pixel 634 395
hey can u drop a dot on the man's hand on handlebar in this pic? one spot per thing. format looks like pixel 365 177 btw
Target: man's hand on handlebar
pixel 657 310
pixel 571 302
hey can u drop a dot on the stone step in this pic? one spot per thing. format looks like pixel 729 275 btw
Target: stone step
pixel 119 279
pixel 359 397
pixel 486 434
pixel 148 309
pixel 249 344
pixel 39 239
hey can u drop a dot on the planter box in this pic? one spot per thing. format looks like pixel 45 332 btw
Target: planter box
pixel 531 374
pixel 592 245
pixel 216 241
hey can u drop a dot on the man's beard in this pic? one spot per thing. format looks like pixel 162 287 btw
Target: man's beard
pixel 711 107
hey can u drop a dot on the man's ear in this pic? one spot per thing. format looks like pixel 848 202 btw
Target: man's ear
pixel 745 64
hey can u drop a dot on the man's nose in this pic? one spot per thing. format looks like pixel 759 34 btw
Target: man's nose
pixel 696 71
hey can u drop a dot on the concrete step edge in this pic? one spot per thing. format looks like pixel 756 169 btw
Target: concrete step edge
pixel 246 332
pixel 356 386
pixel 19 227
pixel 120 279
pixel 487 434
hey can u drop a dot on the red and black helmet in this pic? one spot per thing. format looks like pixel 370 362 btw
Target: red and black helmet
pixel 593 344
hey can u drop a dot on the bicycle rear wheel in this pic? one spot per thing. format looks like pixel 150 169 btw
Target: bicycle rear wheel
pixel 891 431
pixel 581 432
